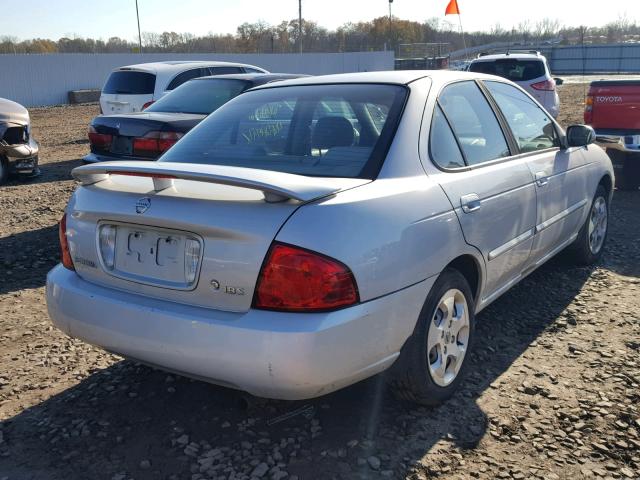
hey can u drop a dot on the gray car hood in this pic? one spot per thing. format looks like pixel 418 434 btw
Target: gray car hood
pixel 12 112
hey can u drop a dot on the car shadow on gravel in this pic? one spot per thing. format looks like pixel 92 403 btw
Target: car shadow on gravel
pixel 25 258
pixel 624 243
pixel 117 418
pixel 51 172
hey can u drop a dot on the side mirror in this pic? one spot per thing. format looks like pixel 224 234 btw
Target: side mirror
pixel 580 135
pixel 558 80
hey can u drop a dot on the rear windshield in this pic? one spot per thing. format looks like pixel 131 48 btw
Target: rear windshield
pixel 130 83
pixel 315 130
pixel 199 96
pixel 514 70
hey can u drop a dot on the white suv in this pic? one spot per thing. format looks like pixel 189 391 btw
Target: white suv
pixel 135 87
pixel 529 70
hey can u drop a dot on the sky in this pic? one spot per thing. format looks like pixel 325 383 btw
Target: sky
pixel 57 18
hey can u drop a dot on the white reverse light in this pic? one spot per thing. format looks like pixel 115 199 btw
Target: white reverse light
pixel 191 259
pixel 107 240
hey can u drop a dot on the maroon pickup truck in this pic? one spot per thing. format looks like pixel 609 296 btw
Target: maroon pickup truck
pixel 613 110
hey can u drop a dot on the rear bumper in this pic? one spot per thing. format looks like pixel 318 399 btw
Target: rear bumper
pixel 269 354
pixel 623 143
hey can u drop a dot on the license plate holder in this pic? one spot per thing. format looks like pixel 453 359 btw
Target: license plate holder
pixel 122 145
pixel 152 256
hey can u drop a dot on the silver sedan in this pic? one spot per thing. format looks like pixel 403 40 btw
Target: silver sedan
pixel 315 232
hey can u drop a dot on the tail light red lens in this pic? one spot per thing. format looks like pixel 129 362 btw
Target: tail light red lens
pixel 547 85
pixel 154 143
pixel 588 109
pixel 148 104
pixel 65 253
pixel 298 280
pixel 100 141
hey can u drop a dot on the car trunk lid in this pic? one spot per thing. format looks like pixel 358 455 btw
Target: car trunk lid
pixel 125 128
pixel 230 215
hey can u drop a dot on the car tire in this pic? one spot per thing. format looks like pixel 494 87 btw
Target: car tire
pixel 588 246
pixel 427 371
pixel 4 170
pixel 628 177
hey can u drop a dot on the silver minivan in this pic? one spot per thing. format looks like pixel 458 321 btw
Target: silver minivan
pixel 134 87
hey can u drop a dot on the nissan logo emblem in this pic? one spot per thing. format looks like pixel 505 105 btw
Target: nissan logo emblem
pixel 142 205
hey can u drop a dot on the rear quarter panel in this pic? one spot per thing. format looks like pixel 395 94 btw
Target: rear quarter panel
pixel 393 232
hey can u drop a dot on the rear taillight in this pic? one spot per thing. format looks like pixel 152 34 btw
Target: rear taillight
pixel 588 109
pixel 547 85
pixel 65 253
pixel 297 280
pixel 148 104
pixel 155 143
pixel 100 141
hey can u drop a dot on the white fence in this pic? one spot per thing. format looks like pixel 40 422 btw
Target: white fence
pixel 34 80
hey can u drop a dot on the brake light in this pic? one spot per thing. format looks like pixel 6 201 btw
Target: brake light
pixel 297 280
pixel 65 253
pixel 588 109
pixel 148 104
pixel 100 141
pixel 547 85
pixel 154 143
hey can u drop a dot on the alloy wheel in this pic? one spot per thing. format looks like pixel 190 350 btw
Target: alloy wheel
pixel 598 219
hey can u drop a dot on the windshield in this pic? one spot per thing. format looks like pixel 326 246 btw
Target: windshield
pixel 512 69
pixel 199 96
pixel 130 83
pixel 315 130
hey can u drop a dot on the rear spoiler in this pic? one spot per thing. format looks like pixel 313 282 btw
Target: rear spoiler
pixel 276 186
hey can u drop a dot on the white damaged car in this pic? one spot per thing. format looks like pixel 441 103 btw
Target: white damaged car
pixel 18 149
pixel 314 232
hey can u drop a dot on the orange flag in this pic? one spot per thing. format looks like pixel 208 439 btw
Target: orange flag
pixel 452 8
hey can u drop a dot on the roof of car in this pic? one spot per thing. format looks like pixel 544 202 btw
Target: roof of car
pixel 256 78
pixel 170 66
pixel 397 77
pixel 514 55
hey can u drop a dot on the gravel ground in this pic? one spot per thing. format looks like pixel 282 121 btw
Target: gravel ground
pixel 553 390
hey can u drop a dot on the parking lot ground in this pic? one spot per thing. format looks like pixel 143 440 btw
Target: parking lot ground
pixel 553 391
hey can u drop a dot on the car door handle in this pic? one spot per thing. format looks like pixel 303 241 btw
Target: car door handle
pixel 541 179
pixel 470 203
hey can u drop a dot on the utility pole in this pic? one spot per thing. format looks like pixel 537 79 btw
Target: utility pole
pixel 299 24
pixel 139 35
pixel 390 26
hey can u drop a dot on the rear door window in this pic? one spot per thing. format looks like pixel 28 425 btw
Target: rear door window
pixel 130 83
pixel 186 76
pixel 532 127
pixel 442 143
pixel 511 68
pixel 473 122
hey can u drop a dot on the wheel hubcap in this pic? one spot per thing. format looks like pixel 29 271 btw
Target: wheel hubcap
pixel 598 224
pixel 448 337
